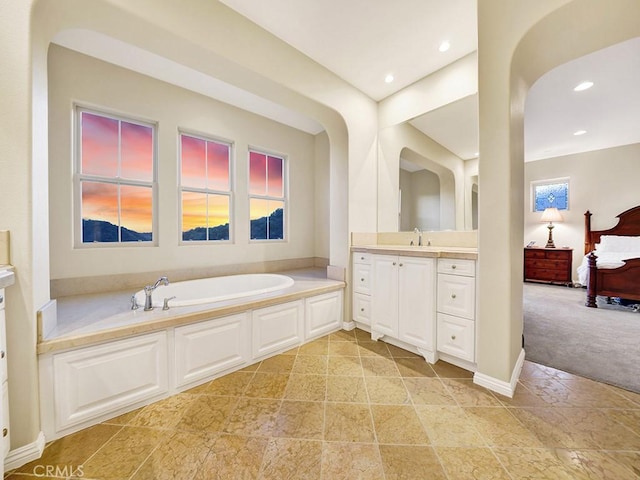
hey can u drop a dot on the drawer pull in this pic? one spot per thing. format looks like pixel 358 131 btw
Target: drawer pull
pixel 400 264
pixel 453 337
pixel 361 258
pixel 453 295
pixel 2 354
pixel 394 263
pixel 1 298
pixel 5 432
pixel 453 266
pixel 362 309
pixel 362 279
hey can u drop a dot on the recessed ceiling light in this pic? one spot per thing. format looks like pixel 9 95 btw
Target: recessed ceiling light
pixel 583 86
pixel 388 78
pixel 579 132
pixel 444 46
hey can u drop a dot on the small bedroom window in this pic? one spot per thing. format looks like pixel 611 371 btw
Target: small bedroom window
pixel 114 181
pixel 550 193
pixel 205 183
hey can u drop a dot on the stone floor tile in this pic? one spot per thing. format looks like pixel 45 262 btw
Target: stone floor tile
pixel 292 459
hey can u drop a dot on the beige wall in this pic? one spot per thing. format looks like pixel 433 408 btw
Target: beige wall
pixel 76 78
pixel 605 182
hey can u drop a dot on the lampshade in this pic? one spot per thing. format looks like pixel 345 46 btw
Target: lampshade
pixel 551 215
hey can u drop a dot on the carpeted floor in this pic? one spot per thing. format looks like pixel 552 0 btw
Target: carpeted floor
pixel 600 343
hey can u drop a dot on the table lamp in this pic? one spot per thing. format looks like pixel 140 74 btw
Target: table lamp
pixel 551 215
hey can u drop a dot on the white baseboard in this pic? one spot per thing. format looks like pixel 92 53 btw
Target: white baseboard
pixel 500 386
pixel 25 454
pixel 348 326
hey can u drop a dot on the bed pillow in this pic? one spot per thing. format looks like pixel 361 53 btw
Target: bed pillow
pixel 617 243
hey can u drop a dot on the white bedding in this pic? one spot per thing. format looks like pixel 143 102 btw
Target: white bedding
pixel 604 260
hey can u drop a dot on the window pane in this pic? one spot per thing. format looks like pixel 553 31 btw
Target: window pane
pixel 257 173
pixel 99 145
pixel 99 212
pixel 267 219
pixel 194 216
pixel 258 214
pixel 136 221
pixel 136 152
pixel 274 170
pixel 551 195
pixel 218 217
pixel 218 166
pixel 276 220
pixel 193 158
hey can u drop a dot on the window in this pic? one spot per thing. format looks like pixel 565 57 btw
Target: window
pixel 266 196
pixel 205 188
pixel 550 193
pixel 115 179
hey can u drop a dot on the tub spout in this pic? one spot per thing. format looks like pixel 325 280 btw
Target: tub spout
pixel 148 291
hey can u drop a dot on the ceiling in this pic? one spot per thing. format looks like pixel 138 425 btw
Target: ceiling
pixel 362 44
pixel 363 41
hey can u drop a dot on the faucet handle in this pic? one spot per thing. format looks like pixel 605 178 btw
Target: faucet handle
pixel 165 305
pixel 134 302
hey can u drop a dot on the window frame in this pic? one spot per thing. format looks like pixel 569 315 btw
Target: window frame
pixel 229 193
pixel 284 199
pixel 552 181
pixel 79 177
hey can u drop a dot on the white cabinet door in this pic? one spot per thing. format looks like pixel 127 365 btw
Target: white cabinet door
pixel 384 318
pixel 323 314
pixel 416 301
pixel 6 433
pixel 275 328
pixel 100 379
pixel 206 348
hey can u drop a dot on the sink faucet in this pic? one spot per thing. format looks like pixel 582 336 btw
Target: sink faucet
pixel 148 290
pixel 419 232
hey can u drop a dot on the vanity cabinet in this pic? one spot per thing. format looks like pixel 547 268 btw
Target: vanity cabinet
pixel 456 308
pixel 361 303
pixel 403 301
pixel 4 407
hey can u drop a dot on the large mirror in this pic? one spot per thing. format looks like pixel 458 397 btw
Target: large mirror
pixel 431 161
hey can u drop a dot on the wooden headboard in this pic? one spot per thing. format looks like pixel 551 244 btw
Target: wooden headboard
pixel 628 225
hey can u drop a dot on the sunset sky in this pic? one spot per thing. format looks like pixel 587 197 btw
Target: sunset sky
pixel 116 149
pixel 132 159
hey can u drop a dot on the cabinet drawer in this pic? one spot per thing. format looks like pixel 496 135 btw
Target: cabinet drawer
pixel 362 308
pixel 6 437
pixel 549 275
pixel 362 278
pixel 453 266
pixel 362 257
pixel 456 337
pixel 546 263
pixel 456 295
pixel 3 347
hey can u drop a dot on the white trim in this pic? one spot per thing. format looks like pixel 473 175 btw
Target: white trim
pixel 500 386
pixel 348 326
pixel 25 454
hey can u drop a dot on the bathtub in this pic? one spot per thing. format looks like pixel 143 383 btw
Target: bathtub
pixel 215 289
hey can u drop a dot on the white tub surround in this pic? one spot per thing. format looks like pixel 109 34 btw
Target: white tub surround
pixel 164 352
pixel 421 298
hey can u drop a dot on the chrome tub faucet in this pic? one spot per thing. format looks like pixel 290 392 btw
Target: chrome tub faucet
pixel 419 232
pixel 148 290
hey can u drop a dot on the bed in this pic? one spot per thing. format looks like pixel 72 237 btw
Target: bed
pixel 611 266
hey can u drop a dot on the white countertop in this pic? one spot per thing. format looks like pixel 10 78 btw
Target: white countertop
pixel 7 277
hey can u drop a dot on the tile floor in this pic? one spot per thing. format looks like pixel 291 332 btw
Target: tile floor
pixel 344 407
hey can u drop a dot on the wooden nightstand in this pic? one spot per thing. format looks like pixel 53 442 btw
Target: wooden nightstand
pixel 548 265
